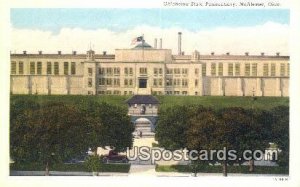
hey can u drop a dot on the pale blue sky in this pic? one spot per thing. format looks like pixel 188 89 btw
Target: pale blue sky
pixel 124 19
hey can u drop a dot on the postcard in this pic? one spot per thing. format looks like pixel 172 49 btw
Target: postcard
pixel 158 93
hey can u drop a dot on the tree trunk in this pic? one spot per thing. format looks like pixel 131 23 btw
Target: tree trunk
pixel 225 168
pixel 47 169
pixel 251 165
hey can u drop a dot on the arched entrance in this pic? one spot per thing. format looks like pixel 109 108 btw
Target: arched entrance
pixel 143 127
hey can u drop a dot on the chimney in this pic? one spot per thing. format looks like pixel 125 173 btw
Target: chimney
pixel 160 43
pixel 262 54
pixel 74 52
pixel 104 52
pixel 24 52
pixel 277 54
pixel 179 43
pixel 227 53
pixel 40 52
pixel 59 52
pixel 212 53
pixel 247 53
pixel 155 43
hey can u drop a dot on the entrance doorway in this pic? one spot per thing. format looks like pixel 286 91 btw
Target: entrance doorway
pixel 142 83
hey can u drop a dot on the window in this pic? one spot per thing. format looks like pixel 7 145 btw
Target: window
pixel 184 71
pixel 90 82
pixel 247 69
pixel 169 71
pixel 220 69
pixel 101 81
pixel 196 82
pixel 160 82
pixel 49 68
pixel 213 69
pixel 39 68
pixel 155 71
pixel 203 69
pixel 237 69
pixel 143 70
pixel 130 82
pixel 66 68
pixel 32 68
pixel 117 82
pixel 266 70
pixel 273 69
pixel 56 68
pixel 254 69
pixel 155 82
pixel 90 71
pixel 176 82
pixel 130 71
pixel 177 71
pixel 184 92
pixel 282 69
pixel 160 71
pixel 21 68
pixel 230 69
pixel 196 71
pixel 13 69
pixel 109 82
pixel 116 71
pixel 101 92
pixel 184 82
pixel 101 71
pixel 109 71
pixel 169 82
pixel 116 92
pixel 73 68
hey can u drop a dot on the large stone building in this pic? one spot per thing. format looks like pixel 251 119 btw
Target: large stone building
pixel 150 70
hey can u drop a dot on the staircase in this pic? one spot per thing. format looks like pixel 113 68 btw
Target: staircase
pixel 143 128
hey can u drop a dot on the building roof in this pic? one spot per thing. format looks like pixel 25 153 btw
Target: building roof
pixel 143 45
pixel 142 99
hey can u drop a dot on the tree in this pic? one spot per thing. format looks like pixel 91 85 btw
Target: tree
pixel 200 135
pixel 49 134
pixel 280 133
pixel 108 125
pixel 172 125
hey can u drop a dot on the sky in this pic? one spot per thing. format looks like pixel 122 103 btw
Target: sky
pixel 221 31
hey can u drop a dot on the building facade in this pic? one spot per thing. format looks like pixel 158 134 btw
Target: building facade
pixel 150 70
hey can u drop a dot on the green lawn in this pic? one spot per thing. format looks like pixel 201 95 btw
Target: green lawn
pixel 215 102
pixel 218 169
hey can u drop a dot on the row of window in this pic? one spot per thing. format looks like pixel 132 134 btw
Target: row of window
pixel 37 67
pixel 52 68
pixel 113 92
pixel 177 82
pixel 250 69
pixel 177 71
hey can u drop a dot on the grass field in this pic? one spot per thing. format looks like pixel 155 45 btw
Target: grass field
pixel 215 102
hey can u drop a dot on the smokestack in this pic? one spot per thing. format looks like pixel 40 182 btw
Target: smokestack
pixel 160 43
pixel 179 43
pixel 155 43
